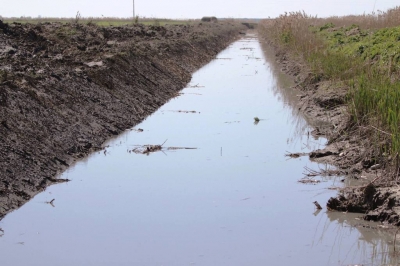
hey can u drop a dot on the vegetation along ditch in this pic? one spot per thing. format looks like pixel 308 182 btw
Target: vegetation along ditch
pixel 347 70
pixel 67 87
pixel 200 182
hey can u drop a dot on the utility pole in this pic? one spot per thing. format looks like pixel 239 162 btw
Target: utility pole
pixel 133 9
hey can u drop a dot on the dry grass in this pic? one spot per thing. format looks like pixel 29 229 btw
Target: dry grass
pixel 360 51
pixel 378 20
pixel 293 30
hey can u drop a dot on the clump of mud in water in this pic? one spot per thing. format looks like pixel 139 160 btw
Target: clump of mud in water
pixel 377 203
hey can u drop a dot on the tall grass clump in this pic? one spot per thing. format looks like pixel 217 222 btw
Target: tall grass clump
pixel 375 102
pixel 297 32
pixel 291 30
pixel 362 52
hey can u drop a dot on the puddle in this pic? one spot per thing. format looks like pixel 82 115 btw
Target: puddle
pixel 233 200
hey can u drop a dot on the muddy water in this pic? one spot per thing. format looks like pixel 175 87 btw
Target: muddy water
pixel 234 200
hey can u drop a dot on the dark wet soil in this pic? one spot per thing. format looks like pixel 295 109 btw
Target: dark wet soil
pixel 67 88
pixel 349 147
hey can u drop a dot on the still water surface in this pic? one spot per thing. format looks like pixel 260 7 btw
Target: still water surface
pixel 234 200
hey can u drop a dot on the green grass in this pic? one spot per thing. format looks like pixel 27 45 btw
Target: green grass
pixel 369 62
pixel 360 51
pixel 381 46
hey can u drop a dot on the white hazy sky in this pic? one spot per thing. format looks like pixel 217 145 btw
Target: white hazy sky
pixel 188 8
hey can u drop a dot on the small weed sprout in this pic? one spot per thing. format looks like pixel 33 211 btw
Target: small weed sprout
pixel 78 17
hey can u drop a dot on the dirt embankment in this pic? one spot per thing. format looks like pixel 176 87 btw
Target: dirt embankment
pixel 349 147
pixel 66 88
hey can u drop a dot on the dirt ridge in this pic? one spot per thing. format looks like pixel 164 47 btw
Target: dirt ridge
pixel 67 88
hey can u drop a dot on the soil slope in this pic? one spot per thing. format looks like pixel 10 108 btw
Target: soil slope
pixel 67 88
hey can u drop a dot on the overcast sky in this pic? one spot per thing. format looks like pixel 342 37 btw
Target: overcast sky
pixel 188 8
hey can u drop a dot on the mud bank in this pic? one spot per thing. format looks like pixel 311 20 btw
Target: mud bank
pixel 367 189
pixel 67 88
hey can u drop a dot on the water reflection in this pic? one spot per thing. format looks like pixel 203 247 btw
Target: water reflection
pixel 283 90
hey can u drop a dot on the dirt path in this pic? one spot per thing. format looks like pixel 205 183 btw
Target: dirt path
pixel 67 88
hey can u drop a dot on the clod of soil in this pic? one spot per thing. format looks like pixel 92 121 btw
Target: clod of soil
pixel 66 88
pixel 378 203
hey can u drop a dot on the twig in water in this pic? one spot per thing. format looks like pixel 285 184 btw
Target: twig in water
pixel 309 181
pixel 164 142
pixel 295 155
pixel 317 205
pixel 394 240
pixel 195 86
pixel 311 172
pixel 50 202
